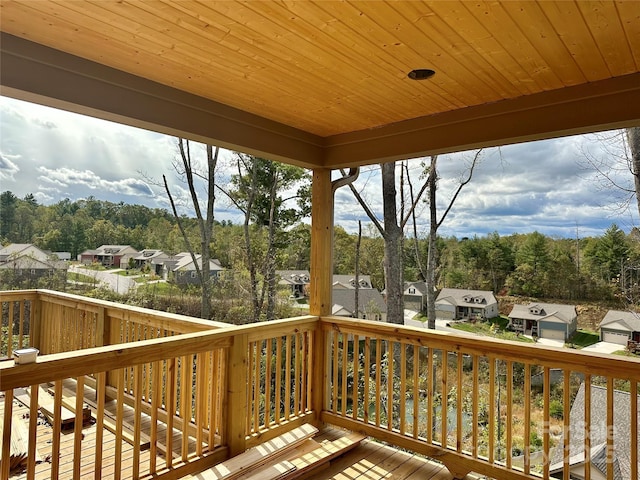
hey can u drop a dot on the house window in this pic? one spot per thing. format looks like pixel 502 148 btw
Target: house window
pixel 412 290
pixel 193 274
pixel 33 271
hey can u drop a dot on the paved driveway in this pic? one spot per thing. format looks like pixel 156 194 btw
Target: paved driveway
pixel 603 347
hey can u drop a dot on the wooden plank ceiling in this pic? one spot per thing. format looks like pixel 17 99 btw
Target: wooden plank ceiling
pixel 332 76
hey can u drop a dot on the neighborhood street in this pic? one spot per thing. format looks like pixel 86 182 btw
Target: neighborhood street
pixel 108 278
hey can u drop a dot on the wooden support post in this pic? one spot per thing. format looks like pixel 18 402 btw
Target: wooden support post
pixel 321 279
pixel 321 243
pixel 35 325
pixel 236 402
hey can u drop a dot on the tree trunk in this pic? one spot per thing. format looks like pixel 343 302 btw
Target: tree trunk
pixel 392 246
pixel 431 254
pixel 633 138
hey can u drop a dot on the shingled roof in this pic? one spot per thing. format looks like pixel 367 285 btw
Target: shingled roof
pixel 621 422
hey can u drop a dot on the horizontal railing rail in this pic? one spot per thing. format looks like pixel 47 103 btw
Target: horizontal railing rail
pixel 476 404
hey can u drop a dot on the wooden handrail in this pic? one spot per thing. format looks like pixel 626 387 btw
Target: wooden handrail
pixel 627 368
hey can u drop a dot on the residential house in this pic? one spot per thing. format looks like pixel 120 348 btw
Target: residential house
pixel 109 255
pixel 184 270
pixel 371 304
pixel 415 296
pixel 544 320
pixel 17 250
pixel 620 327
pixel 296 280
pixel 459 304
pixel 349 281
pixel 598 436
pixel 28 262
pixel 151 259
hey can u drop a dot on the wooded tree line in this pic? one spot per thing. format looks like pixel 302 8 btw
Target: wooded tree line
pixel 532 264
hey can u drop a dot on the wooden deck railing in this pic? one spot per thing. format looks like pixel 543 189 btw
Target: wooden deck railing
pixel 185 395
pixel 497 408
pixel 471 403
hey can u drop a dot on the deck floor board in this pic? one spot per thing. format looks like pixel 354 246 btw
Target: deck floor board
pixel 369 461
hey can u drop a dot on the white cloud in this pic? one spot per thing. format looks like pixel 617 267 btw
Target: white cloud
pixel 8 169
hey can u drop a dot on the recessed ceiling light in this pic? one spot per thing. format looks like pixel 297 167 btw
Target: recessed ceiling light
pixel 421 74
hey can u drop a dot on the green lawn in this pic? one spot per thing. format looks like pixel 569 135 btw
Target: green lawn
pixel 78 277
pixel 495 327
pixel 584 338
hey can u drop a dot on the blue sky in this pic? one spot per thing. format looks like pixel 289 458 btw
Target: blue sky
pixel 544 186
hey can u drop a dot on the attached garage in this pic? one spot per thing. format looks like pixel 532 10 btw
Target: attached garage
pixel 445 312
pixel 553 334
pixel 615 337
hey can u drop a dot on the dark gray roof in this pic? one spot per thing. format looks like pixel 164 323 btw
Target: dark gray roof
pixel 293 277
pixel 459 296
pixel 564 313
pixel 367 297
pixel 348 281
pixel 620 320
pixel 621 436
pixel 421 288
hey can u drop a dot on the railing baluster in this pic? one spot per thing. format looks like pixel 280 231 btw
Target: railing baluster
pixel 10 330
pixel 343 379
pixel 459 397
pixel 120 383
pixel 267 383
pixel 474 407
pixel 308 369
pixel 378 391
pixel 201 405
pixel 77 427
pixel 587 425
pixel 256 386
pixel 403 387
pixel 566 423
pixel 21 326
pixel 186 396
pixel 303 372
pixel 279 372
pixel 416 390
pixel 390 386
pixel 356 376
pixel 334 378
pixel 57 429
pixel 492 409
pixel 137 420
pixel 610 428
pixel 634 430
pixel 287 404
pixel 527 418
pixel 6 433
pixel 444 405
pixel 33 427
pixel 367 375
pixel 509 439
pixel 430 394
pixel 546 393
pixel 170 396
pixel 101 382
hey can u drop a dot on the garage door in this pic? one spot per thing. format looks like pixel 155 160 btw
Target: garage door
pixel 444 314
pixel 612 337
pixel 553 334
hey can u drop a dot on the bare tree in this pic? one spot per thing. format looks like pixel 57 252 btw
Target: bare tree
pixel 434 225
pixel 187 167
pixel 618 166
pixel 391 230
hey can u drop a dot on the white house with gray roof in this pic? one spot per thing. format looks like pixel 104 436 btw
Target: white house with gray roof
pixel 620 327
pixel 544 320
pixel 459 304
